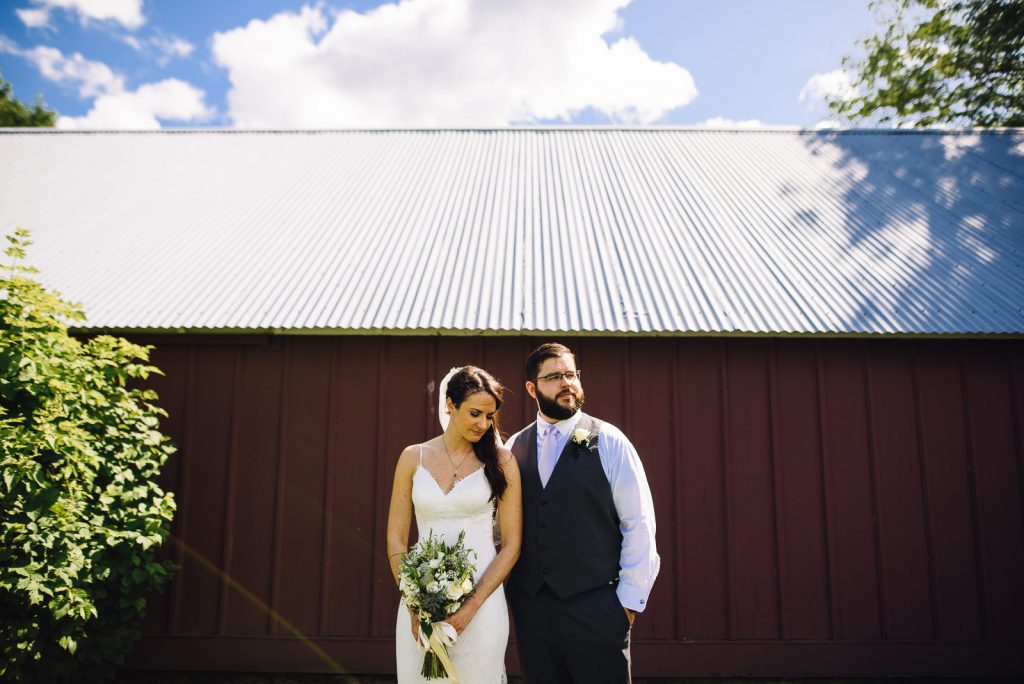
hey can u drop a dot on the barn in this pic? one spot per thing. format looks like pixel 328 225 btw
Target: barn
pixel 814 339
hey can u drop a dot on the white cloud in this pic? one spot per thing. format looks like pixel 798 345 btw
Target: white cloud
pixel 128 13
pixel 160 47
pixel 444 63
pixel 827 123
pixel 169 48
pixel 836 83
pixel 114 106
pixel 34 18
pixel 93 78
pixel 723 122
pixel 170 99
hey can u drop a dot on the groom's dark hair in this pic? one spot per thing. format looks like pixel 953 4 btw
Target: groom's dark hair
pixel 548 350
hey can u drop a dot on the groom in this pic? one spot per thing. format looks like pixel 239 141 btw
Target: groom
pixel 588 559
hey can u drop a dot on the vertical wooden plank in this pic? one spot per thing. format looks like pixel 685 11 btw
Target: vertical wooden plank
pixel 529 406
pixel 354 489
pixel 330 465
pixel 1015 354
pixel 435 379
pixel 185 468
pixel 701 523
pixel 651 413
pixel 281 468
pixel 674 552
pixel 1000 530
pixel 406 394
pixel 601 361
pixel 803 557
pixel 752 577
pixel 202 565
pixel 456 351
pixel 307 395
pixel 228 511
pixel 250 567
pixel 171 387
pixel 855 592
pixel 947 477
pixel 906 580
pixel 503 358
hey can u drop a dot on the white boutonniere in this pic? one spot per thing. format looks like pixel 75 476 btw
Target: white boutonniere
pixel 581 436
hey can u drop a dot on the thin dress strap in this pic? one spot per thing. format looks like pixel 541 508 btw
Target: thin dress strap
pixel 421 454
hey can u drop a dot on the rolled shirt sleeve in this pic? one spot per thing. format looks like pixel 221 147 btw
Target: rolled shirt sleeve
pixel 638 560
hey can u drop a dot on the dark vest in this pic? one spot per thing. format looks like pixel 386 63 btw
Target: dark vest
pixel 571 537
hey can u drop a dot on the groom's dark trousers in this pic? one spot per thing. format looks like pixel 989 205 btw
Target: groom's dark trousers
pixel 584 638
pixel 569 624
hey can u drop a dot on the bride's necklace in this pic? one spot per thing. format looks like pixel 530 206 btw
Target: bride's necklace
pixel 455 467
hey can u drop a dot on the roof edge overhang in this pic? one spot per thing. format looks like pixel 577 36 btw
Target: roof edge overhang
pixel 452 332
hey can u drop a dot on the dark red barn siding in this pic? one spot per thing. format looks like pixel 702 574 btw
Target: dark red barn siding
pixel 825 507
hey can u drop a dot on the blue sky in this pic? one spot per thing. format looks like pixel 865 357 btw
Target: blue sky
pixel 294 64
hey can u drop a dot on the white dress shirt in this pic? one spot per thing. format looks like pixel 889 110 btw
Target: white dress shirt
pixel 639 561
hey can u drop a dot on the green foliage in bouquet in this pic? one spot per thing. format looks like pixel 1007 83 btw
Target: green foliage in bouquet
pixel 435 580
pixel 81 517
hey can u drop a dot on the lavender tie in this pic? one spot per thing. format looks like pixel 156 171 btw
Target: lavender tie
pixel 546 458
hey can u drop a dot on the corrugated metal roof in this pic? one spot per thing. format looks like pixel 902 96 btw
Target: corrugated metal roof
pixel 585 230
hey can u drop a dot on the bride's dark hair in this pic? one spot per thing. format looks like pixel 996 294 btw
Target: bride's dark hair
pixel 470 380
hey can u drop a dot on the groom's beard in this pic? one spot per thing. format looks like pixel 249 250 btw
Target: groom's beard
pixel 550 407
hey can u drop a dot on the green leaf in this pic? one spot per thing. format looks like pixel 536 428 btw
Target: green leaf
pixel 68 644
pixel 69 434
pixel 935 62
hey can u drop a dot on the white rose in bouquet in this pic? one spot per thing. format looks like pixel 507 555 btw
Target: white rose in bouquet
pixel 454 591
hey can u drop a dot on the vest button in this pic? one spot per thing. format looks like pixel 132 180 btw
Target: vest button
pixel 543 502
pixel 544 547
pixel 543 526
pixel 544 571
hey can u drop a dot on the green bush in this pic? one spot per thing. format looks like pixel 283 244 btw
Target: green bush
pixel 81 517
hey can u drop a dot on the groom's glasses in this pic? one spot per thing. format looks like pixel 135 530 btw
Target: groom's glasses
pixel 570 376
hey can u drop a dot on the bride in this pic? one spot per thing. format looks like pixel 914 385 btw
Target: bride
pixel 457 482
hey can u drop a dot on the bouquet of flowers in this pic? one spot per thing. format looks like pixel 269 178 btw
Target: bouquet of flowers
pixel 435 580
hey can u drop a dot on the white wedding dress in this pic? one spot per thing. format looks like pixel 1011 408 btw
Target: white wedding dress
pixel 479 653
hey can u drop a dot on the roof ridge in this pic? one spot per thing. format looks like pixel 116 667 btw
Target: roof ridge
pixel 515 129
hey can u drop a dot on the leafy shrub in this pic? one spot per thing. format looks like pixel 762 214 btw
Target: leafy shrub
pixel 81 517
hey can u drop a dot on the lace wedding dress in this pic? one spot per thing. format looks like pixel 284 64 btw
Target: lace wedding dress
pixel 479 654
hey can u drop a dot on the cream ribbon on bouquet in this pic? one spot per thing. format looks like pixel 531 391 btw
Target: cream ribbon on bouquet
pixel 442 635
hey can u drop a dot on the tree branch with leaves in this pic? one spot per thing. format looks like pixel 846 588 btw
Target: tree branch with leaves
pixel 940 62
pixel 81 514
pixel 16 114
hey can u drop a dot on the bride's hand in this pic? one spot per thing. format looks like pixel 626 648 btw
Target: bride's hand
pixel 460 618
